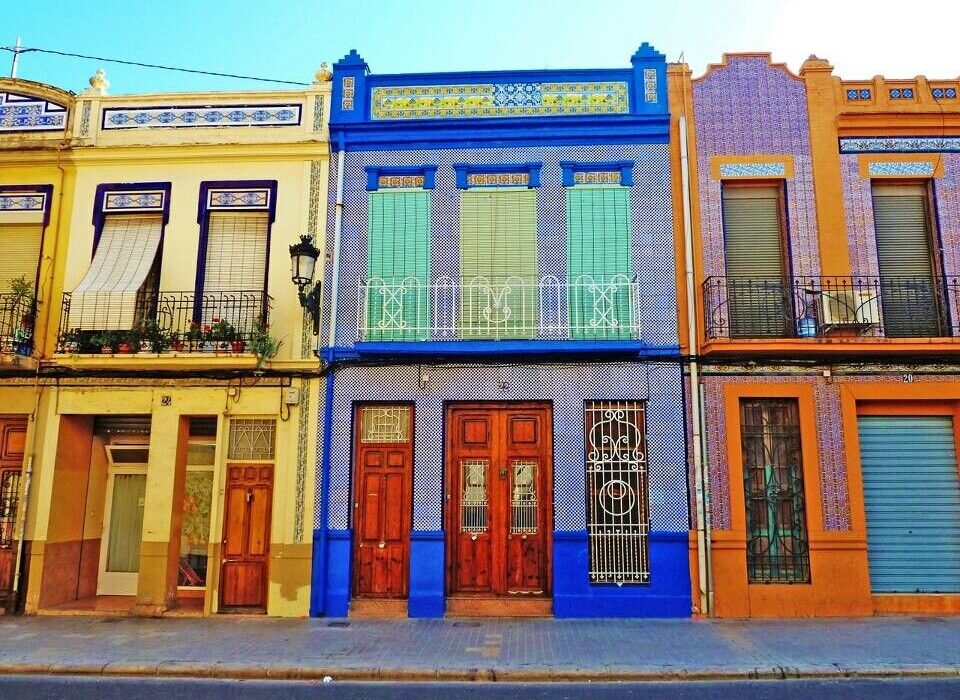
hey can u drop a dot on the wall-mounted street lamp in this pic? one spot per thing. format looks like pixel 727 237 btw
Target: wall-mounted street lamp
pixel 303 263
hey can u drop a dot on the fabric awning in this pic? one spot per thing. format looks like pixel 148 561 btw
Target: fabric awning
pixel 106 298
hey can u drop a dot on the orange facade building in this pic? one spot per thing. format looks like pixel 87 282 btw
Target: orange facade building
pixel 821 304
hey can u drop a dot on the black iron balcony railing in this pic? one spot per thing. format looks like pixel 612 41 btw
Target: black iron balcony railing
pixel 817 307
pixel 17 314
pixel 106 322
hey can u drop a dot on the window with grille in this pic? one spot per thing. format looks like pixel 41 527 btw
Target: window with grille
pixel 618 515
pixel 777 545
pixel 252 438
pixel 385 424
pixel 398 266
pixel 498 264
pixel 599 262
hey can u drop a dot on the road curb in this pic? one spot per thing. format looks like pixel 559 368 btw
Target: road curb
pixel 231 671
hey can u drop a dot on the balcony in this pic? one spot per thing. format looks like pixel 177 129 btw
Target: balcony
pixel 163 322
pixel 17 314
pixel 829 307
pixel 546 308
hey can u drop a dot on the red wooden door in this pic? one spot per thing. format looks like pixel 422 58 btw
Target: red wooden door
pixel 246 536
pixel 13 432
pixel 498 476
pixel 382 486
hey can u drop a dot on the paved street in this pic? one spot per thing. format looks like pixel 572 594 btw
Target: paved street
pixel 501 650
pixel 73 688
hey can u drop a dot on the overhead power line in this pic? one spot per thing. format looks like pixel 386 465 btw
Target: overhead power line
pixel 17 51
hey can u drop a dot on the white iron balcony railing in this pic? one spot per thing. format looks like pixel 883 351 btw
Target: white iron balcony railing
pixel 484 308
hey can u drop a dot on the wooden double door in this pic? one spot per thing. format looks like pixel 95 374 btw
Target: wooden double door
pixel 499 489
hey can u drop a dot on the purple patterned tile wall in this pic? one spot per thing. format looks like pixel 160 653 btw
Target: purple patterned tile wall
pixel 752 108
pixel 835 505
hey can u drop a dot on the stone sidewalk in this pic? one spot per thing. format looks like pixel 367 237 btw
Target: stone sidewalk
pixel 504 650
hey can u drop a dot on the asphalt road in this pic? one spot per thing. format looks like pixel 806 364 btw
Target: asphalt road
pixel 107 688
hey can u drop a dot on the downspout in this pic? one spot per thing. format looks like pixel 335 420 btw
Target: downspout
pixel 319 605
pixel 28 466
pixel 701 480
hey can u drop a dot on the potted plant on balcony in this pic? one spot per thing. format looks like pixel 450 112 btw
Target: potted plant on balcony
pixel 223 334
pixel 175 341
pixel 128 342
pixel 151 337
pixel 195 337
pixel 22 307
pixel 262 344
pixel 106 341
pixel 70 341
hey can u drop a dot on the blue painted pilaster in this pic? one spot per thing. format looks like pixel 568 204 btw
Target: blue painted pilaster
pixel 426 574
pixel 338 572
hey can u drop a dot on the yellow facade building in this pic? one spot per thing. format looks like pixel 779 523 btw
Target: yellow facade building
pixel 167 445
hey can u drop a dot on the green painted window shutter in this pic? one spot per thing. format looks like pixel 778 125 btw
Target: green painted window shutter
pixel 599 268
pixel 498 264
pixel 398 266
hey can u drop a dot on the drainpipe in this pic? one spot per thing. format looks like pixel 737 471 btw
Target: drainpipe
pixel 319 603
pixel 701 480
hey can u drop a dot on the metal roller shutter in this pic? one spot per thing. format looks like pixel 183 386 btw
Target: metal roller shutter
pixel 905 261
pixel 598 253
pixel 398 266
pixel 757 294
pixel 912 499
pixel 498 264
pixel 20 244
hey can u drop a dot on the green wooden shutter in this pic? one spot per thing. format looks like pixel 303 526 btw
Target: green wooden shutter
pixel 758 299
pixel 398 266
pixel 907 287
pixel 498 264
pixel 599 263
pixel 20 244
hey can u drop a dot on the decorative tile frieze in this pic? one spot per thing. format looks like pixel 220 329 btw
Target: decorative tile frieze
pixel 901 93
pixel 502 100
pixel 650 85
pixel 348 86
pixel 27 113
pixel 239 198
pixel 604 173
pixel 915 168
pixel 854 94
pixel 944 93
pixel 200 116
pixel 388 181
pixel 134 201
pixel 85 118
pixel 18 202
pixel 317 112
pixel 506 175
pixel 753 170
pixel 900 144
pixel 498 179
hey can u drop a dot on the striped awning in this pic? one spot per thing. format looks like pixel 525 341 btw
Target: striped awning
pixel 106 298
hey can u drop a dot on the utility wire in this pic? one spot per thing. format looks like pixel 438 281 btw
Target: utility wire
pixel 15 50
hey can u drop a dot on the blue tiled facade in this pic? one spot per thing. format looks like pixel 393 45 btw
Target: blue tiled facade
pixel 551 130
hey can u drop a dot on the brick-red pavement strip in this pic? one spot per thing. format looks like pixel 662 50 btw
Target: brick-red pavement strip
pixel 521 650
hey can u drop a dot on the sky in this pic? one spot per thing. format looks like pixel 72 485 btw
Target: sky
pixel 288 39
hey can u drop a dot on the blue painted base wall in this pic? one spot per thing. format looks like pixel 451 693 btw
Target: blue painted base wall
pixel 667 595
pixel 426 574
